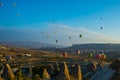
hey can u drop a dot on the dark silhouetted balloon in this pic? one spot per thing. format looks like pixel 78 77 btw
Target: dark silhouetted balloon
pixel 80 35
pixel 101 28
pixel 101 18
pixel 56 41
pixel 1 4
pixel 48 36
pixel 69 37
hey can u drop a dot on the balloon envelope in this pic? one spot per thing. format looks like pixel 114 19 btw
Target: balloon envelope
pixel 56 41
pixel 1 4
pixel 80 35
pixel 101 28
pixel 14 4
pixel 103 56
pixel 69 37
pixel 90 55
pixel 101 18
pixel 98 56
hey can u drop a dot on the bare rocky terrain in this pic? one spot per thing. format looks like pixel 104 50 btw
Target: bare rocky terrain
pixel 27 64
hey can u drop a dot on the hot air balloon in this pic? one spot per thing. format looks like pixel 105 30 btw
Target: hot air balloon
pixel 65 54
pixel 103 56
pixel 101 18
pixel 80 35
pixel 1 4
pixel 14 4
pixel 56 41
pixel 42 32
pixel 78 52
pixel 90 55
pixel 69 37
pixel 48 36
pixel 98 56
pixel 101 28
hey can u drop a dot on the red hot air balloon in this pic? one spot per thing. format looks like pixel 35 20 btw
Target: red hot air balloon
pixel 65 54
pixel 103 56
pixel 98 56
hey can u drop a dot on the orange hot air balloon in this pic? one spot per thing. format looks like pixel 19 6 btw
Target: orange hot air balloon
pixel 103 56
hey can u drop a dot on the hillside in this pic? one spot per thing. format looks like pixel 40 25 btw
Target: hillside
pixel 28 44
pixel 109 47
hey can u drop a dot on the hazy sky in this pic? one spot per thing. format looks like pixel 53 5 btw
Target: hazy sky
pixel 51 20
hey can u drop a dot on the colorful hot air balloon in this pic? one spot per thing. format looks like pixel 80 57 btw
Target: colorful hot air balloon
pixel 98 56
pixel 103 56
pixel 78 52
pixel 65 54
pixel 90 55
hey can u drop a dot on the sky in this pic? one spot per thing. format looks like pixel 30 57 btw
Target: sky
pixel 51 20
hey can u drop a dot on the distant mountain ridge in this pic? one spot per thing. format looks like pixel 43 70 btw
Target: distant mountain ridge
pixel 29 44
pixel 114 47
pixel 41 45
